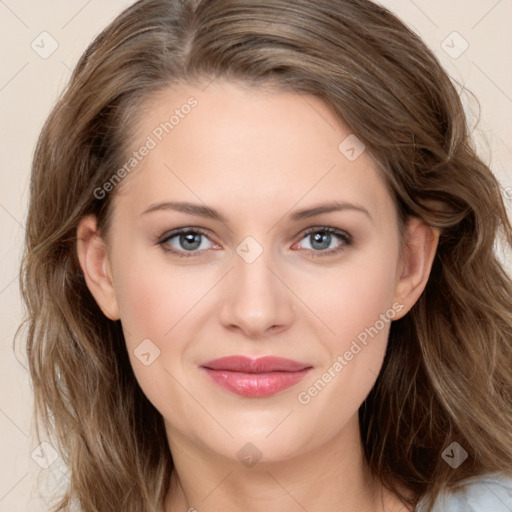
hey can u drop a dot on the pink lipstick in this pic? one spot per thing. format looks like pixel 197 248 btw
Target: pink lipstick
pixel 255 378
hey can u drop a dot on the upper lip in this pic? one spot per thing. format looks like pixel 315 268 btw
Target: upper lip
pixel 260 365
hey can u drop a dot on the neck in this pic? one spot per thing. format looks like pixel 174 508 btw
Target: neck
pixel 333 476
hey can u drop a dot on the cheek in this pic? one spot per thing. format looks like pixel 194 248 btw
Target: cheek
pixel 154 297
pixel 355 302
pixel 352 296
pixel 156 303
pixel 369 293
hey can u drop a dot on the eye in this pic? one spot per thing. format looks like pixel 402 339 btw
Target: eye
pixel 186 240
pixel 326 241
pixel 189 242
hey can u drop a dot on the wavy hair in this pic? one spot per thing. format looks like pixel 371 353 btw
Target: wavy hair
pixel 447 374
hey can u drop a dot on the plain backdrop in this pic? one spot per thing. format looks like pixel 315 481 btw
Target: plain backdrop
pixel 42 41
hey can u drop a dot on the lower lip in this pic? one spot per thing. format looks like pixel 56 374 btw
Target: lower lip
pixel 255 385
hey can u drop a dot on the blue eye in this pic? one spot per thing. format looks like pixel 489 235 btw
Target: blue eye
pixel 183 241
pixel 321 241
pixel 190 242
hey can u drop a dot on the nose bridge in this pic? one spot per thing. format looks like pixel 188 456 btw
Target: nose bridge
pixel 252 273
pixel 256 299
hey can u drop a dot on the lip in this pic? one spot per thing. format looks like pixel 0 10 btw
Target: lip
pixel 255 378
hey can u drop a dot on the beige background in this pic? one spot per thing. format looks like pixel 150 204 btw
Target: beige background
pixel 29 85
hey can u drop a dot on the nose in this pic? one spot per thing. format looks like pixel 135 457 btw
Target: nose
pixel 257 300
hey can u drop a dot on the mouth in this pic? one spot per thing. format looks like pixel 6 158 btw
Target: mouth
pixel 255 378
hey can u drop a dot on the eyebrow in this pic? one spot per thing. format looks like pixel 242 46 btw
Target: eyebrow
pixel 191 208
pixel 333 206
pixel 211 213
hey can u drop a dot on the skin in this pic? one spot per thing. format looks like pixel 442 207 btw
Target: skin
pixel 257 156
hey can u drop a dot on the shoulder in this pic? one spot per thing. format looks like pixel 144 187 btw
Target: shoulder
pixel 486 493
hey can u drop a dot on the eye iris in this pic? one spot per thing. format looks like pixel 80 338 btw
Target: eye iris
pixel 190 241
pixel 321 238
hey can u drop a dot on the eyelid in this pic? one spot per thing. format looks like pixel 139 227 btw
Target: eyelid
pixel 327 229
pixel 184 230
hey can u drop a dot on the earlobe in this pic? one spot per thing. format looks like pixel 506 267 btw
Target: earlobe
pixel 95 264
pixel 418 252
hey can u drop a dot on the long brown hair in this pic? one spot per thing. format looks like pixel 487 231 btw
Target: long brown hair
pixel 447 372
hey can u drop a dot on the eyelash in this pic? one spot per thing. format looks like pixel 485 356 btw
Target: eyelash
pixel 342 235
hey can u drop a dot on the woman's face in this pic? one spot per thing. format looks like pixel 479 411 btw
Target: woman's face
pixel 293 253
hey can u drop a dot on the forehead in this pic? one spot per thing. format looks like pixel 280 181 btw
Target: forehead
pixel 239 146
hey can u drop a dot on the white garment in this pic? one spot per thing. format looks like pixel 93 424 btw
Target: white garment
pixel 487 493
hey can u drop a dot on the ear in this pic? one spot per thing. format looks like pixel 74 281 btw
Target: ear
pixel 95 264
pixel 418 251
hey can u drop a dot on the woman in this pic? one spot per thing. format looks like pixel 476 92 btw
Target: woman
pixel 260 269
